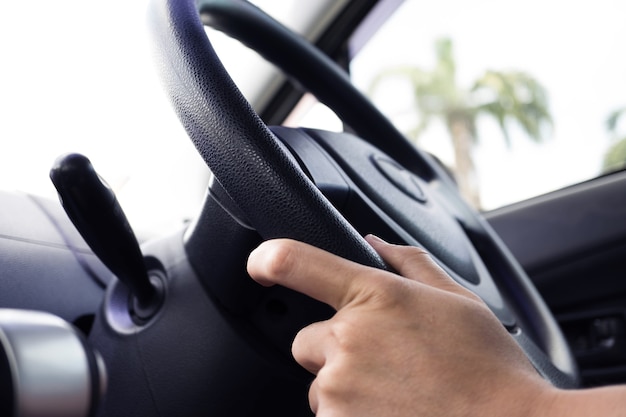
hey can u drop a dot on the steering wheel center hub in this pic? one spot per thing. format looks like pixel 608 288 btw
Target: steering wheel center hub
pixel 401 178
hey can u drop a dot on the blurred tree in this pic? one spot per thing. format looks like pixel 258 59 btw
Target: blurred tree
pixel 503 95
pixel 615 156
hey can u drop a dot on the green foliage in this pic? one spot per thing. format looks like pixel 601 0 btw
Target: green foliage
pixel 506 96
pixel 516 96
pixel 615 156
pixel 613 119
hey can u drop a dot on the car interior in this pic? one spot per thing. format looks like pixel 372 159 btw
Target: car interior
pixel 96 319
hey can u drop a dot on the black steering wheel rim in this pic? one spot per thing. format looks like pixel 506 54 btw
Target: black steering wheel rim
pixel 259 175
pixel 228 133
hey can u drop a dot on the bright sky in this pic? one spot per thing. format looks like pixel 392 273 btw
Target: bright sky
pixel 574 48
pixel 74 84
pixel 78 76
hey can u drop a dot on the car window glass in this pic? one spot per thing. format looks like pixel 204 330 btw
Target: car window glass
pixel 533 92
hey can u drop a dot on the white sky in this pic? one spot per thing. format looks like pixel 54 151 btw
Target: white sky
pixel 77 76
pixel 574 48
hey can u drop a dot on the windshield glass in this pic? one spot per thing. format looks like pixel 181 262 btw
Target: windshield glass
pixel 518 98
pixel 79 76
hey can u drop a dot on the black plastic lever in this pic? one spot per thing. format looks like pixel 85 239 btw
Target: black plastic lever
pixel 93 208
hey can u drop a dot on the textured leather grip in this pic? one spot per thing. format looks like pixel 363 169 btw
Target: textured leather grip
pixel 245 157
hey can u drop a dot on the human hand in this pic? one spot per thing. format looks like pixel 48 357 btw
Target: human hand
pixel 414 343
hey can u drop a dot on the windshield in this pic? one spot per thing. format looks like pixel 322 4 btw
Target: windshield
pixel 79 76
pixel 518 98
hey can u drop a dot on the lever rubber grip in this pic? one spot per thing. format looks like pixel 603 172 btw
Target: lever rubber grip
pixel 93 208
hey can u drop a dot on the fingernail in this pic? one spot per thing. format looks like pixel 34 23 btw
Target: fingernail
pixel 374 238
pixel 254 265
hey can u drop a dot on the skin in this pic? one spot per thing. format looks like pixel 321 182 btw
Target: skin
pixel 411 344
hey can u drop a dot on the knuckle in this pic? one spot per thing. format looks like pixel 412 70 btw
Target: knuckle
pixel 300 344
pixel 280 258
pixel 388 293
pixel 332 382
pixel 414 254
pixel 411 259
pixel 314 397
pixel 297 347
pixel 469 294
pixel 449 285
pixel 346 334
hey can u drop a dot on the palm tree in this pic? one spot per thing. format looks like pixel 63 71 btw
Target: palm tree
pixel 511 95
pixel 615 157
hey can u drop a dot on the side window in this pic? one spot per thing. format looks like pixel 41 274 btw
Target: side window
pixel 517 99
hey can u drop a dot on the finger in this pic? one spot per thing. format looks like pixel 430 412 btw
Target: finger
pixel 314 397
pixel 309 270
pixel 414 263
pixel 308 349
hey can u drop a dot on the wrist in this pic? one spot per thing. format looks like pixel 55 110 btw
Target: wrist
pixel 528 396
pixel 605 401
pixel 550 402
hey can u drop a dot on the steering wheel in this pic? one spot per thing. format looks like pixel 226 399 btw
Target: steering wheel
pixel 264 177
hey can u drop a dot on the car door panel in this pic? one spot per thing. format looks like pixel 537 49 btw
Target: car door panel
pixel 572 243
